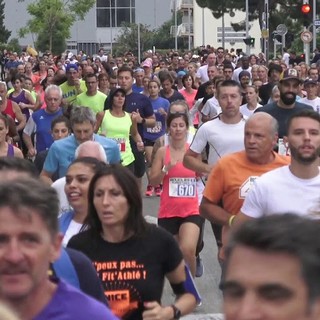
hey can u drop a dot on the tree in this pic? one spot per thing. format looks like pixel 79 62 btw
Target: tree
pixel 4 33
pixel 52 20
pixel 128 39
pixel 279 10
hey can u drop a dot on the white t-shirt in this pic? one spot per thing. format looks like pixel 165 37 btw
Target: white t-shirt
pixel 315 103
pixel 211 108
pixel 73 229
pixel 202 73
pixel 279 191
pixel 58 185
pixel 247 112
pixel 222 138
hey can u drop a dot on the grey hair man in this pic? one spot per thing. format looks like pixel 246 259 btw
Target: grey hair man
pixel 62 152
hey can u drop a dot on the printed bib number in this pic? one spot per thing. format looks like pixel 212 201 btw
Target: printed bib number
pixel 182 187
pixel 156 129
pixel 121 144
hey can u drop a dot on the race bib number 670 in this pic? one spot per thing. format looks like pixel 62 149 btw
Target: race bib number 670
pixel 182 187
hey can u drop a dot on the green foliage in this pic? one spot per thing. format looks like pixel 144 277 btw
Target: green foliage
pixel 160 38
pixel 53 19
pixel 4 33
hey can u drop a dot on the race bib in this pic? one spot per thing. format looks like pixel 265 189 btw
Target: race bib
pixel 156 129
pixel 182 187
pixel 121 144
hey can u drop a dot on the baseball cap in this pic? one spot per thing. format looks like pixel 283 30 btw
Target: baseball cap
pixel 147 63
pixel 290 74
pixel 310 81
pixel 71 66
pixel 181 73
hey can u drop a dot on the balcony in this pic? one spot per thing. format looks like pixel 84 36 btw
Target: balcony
pixel 185 29
pixel 181 5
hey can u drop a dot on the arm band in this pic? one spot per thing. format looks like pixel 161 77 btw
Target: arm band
pixel 178 288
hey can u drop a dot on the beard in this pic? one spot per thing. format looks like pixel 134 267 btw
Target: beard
pixel 295 154
pixel 288 98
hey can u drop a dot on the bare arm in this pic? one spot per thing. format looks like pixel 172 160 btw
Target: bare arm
pixel 31 104
pixel 27 140
pixel 239 219
pixel 192 161
pixel 46 177
pixel 18 153
pixel 213 212
pixel 156 174
pixel 185 303
pixel 19 116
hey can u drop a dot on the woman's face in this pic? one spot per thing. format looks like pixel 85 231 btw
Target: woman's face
pixel 178 128
pixel 110 202
pixel 251 95
pixel 153 89
pixel 118 100
pixel 3 131
pixel 191 68
pixel 187 82
pixel 51 72
pixel 17 84
pixel 59 131
pixel 76 188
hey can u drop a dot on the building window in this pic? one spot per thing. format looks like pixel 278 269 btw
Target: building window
pixel 112 13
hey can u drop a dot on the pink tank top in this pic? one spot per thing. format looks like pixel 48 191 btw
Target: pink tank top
pixel 179 197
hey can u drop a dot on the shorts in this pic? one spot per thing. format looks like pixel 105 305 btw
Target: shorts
pixel 148 143
pixel 173 225
pixel 139 160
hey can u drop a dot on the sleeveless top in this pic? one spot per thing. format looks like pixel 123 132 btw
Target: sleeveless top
pixel 179 196
pixel 9 110
pixel 10 152
pixel 21 98
pixel 118 129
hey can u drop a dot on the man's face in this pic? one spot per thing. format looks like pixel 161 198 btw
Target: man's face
pixel 244 81
pixel 245 63
pixel 20 69
pixel 166 86
pixel 83 131
pixel 26 250
pixel 288 91
pixel 212 72
pixel 92 85
pixel 229 100
pixel 314 75
pixel 72 75
pixel 266 286
pixel 139 76
pixel 258 140
pixel 312 89
pixel 211 60
pixel 125 80
pixel 304 140
pixel 113 83
pixel 28 85
pixel 53 100
pixel 227 72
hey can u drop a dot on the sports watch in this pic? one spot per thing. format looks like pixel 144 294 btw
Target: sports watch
pixel 176 312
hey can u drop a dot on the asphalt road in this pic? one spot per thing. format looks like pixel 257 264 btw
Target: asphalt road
pixel 207 285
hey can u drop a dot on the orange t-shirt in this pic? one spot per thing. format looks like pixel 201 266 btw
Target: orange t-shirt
pixel 232 177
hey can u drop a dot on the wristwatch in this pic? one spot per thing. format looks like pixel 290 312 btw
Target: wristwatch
pixel 176 312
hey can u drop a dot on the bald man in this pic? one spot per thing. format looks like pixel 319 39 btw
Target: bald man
pixel 233 175
pixel 91 149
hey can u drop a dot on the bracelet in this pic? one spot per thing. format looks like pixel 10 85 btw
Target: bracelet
pixel 164 169
pixel 230 221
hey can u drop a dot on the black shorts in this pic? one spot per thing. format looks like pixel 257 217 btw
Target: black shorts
pixel 148 143
pixel 139 160
pixel 173 225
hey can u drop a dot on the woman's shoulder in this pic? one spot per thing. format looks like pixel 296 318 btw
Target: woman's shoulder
pixel 81 241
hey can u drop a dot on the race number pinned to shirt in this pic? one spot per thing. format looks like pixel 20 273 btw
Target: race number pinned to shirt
pixel 121 143
pixel 182 187
pixel 156 129
pixel 246 187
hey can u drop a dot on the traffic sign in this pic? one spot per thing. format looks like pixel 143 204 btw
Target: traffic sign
pixel 306 36
pixel 316 23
